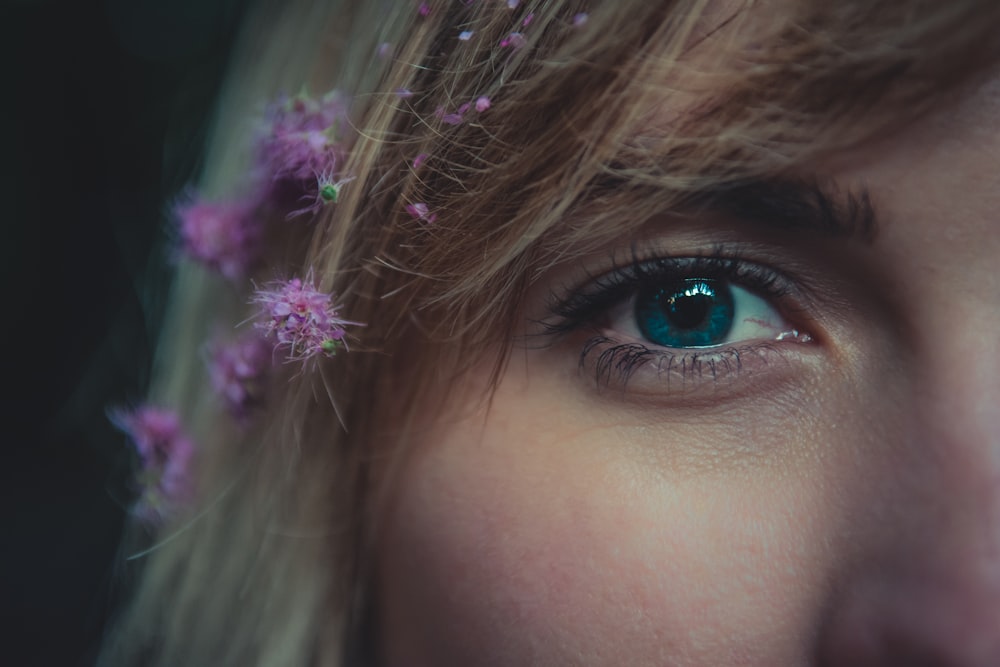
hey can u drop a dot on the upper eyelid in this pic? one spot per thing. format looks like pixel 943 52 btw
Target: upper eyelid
pixel 607 288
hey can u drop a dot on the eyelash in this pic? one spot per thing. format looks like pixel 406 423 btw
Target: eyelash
pixel 616 361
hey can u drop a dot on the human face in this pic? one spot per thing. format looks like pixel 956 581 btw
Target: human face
pixel 833 498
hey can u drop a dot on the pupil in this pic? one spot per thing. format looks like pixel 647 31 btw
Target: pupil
pixel 688 311
pixel 694 312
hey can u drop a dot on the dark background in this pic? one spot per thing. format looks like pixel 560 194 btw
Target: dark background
pixel 104 107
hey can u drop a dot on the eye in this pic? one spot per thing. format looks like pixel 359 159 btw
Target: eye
pixel 701 316
pixel 697 312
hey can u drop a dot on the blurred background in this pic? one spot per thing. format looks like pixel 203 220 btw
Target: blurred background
pixel 105 108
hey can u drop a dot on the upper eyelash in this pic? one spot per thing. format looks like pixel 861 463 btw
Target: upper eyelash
pixel 581 306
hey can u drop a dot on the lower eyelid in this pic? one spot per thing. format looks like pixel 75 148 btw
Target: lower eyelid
pixel 693 374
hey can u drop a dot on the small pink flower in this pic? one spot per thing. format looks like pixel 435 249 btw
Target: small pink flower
pixel 424 9
pixel 165 454
pixel 453 118
pixel 482 103
pixel 580 19
pixel 514 40
pixel 465 35
pixel 419 160
pixel 301 136
pixel 237 370
pixel 301 320
pixel 528 19
pixel 420 211
pixel 223 235
pixel 294 154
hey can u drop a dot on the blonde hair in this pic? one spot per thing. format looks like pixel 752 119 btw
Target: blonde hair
pixel 580 147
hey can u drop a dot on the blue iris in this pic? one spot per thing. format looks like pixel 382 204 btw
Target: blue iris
pixel 693 312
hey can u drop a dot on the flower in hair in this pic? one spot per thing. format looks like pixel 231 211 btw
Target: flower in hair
pixel 465 35
pixel 424 9
pixel 580 19
pixel 237 370
pixel 455 117
pixel 514 40
pixel 222 235
pixel 419 160
pixel 301 320
pixel 420 211
pixel 301 137
pixel 295 154
pixel 165 454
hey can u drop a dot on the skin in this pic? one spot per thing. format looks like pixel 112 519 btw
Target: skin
pixel 836 502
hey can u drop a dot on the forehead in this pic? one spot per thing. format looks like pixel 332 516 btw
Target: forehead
pixel 938 177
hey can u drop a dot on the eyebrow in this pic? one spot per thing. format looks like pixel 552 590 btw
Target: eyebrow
pixel 805 206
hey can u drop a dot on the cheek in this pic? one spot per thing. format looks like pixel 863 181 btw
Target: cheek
pixel 524 538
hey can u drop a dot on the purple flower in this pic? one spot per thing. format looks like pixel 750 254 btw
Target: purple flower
pixel 237 370
pixel 301 320
pixel 482 103
pixel 528 19
pixel 424 9
pixel 456 117
pixel 452 118
pixel 223 236
pixel 302 136
pixel 514 40
pixel 465 35
pixel 419 160
pixel 404 93
pixel 580 19
pixel 165 454
pixel 297 154
pixel 420 211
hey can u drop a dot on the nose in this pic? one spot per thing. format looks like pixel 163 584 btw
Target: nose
pixel 929 593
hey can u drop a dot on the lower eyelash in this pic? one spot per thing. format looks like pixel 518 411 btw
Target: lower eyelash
pixel 614 363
